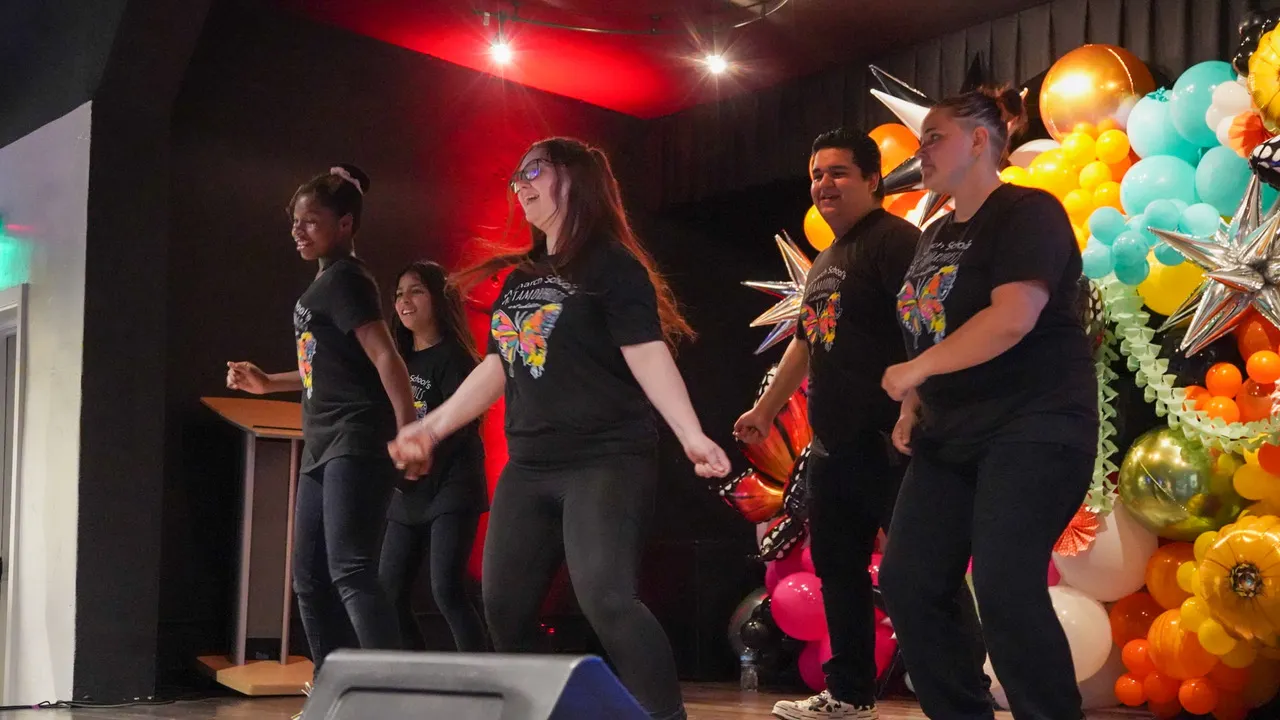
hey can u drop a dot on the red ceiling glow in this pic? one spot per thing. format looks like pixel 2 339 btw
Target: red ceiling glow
pixel 652 75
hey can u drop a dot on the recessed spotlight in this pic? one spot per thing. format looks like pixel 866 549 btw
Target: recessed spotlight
pixel 716 64
pixel 501 52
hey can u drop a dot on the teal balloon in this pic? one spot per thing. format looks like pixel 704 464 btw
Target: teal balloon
pixel 1200 220
pixel 1130 248
pixel 1167 255
pixel 1132 274
pixel 1105 224
pixel 1180 205
pixel 1138 224
pixel 1160 177
pixel 1221 179
pixel 1096 259
pixel 1163 214
pixel 1192 97
pixel 1151 130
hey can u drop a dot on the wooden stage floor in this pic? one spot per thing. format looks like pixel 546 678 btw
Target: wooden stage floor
pixel 705 702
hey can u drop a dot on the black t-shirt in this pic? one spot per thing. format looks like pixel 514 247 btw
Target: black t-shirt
pixel 569 393
pixel 345 410
pixel 456 480
pixel 847 320
pixel 1043 389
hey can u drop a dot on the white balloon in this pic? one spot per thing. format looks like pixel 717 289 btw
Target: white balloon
pixel 1087 626
pixel 1099 691
pixel 1213 116
pixel 1224 130
pixel 1115 565
pixel 1231 98
pixel 1027 152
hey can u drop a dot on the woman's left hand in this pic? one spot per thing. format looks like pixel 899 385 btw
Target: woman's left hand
pixel 902 378
pixel 709 461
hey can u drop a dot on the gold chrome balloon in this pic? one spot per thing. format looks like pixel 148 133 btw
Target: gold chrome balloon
pixel 1176 487
pixel 1091 84
pixel 1264 80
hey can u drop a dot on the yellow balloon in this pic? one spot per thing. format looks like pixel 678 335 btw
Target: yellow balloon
pixel 1079 205
pixel 1107 194
pixel 1241 656
pixel 817 230
pixel 1203 543
pixel 1015 175
pixel 1079 149
pixel 1094 174
pixel 1251 482
pixel 1193 614
pixel 1186 576
pixel 1214 638
pixel 1112 146
pixel 1167 286
pixel 1082 236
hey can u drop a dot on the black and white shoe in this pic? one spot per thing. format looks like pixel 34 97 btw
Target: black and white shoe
pixel 823 707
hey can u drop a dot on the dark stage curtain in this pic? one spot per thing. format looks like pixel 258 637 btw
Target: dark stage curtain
pixel 750 140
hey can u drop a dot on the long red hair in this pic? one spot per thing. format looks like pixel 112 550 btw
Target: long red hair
pixel 594 214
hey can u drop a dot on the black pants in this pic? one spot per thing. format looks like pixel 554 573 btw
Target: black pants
pixel 1007 507
pixel 851 494
pixel 338 526
pixel 593 517
pixel 446 541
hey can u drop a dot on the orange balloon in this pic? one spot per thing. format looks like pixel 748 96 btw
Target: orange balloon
pixel 1264 682
pixel 1162 574
pixel 1107 124
pixel 1131 618
pixel 897 145
pixel 1269 458
pixel 1161 688
pixel 1086 128
pixel 903 203
pixel 1129 691
pixel 1225 408
pixel 816 230
pixel 1108 194
pixel 1198 696
pixel 1229 679
pixel 1118 169
pixel 1254 401
pixel 1255 333
pixel 1263 367
pixel 1197 397
pixel 1175 652
pixel 1136 656
pixel 1091 84
pixel 1223 380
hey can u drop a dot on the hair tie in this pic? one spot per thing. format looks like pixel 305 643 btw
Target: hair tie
pixel 342 173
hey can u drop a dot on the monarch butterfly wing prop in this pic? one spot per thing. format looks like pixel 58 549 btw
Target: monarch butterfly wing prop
pixel 534 332
pixel 505 334
pixel 796 499
pixel 782 538
pixel 754 496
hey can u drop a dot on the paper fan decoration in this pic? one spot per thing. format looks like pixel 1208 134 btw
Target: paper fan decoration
pixel 1079 535
pixel 1247 132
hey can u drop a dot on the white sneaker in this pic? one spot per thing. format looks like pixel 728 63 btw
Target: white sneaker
pixel 823 707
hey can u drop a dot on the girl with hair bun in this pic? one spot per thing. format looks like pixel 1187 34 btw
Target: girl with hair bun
pixel 999 413
pixel 355 395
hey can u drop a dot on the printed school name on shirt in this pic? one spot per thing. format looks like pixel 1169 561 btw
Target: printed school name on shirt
pixel 524 318
pixel 306 345
pixel 929 280
pixel 420 387
pixel 821 309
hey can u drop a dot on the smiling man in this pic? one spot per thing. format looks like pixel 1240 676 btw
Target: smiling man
pixel 847 335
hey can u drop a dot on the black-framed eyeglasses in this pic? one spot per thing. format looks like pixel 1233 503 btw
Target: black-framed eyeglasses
pixel 529 172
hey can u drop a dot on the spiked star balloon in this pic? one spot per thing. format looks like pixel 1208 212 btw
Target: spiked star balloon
pixel 1242 267
pixel 786 312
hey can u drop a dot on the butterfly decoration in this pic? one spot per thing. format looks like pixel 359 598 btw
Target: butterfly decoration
pixel 821 326
pixel 526 336
pixel 924 311
pixel 773 489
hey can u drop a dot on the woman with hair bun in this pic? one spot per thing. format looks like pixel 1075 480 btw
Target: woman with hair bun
pixel 1000 417
pixel 355 395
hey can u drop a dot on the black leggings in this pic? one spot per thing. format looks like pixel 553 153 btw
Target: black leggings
pixel 340 515
pixel 446 541
pixel 1008 508
pixel 592 516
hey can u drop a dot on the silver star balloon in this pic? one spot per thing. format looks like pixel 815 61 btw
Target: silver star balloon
pixel 786 312
pixel 1242 272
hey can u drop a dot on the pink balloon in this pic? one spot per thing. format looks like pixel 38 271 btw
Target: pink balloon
pixel 810 664
pixel 886 644
pixel 806 559
pixel 797 606
pixel 1054 577
pixel 770 576
pixel 791 564
pixel 874 568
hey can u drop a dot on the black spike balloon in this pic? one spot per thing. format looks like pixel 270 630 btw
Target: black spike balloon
pixel 1252 27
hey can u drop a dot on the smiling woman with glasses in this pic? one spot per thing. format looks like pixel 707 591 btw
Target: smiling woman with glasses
pixel 580 341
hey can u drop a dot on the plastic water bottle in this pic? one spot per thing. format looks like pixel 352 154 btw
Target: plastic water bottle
pixel 748 678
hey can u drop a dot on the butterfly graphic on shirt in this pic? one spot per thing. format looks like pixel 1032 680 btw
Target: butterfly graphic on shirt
pixel 820 325
pixel 922 310
pixel 306 353
pixel 526 336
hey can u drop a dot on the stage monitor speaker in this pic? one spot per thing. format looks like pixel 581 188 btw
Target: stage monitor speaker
pixel 384 685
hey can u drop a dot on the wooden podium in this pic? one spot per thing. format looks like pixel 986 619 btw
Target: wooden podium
pixel 264 594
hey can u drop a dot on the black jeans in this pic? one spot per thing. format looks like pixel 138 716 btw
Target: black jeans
pixel 851 494
pixel 1007 508
pixel 446 541
pixel 338 524
pixel 592 516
